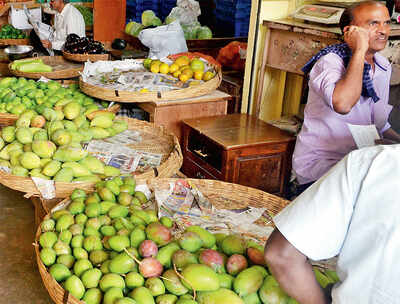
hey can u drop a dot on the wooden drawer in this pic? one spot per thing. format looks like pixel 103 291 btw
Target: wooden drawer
pixel 191 169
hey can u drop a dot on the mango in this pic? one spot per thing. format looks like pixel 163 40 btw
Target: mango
pixel 91 278
pixel 158 233
pixel 80 253
pixel 221 295
pixel 81 266
pixel 24 135
pixel 77 168
pixel 256 256
pixel 150 267
pixel 190 241
pixel 70 153
pixel 119 242
pixel 49 114
pixel 120 126
pixel 233 244
pixel 142 295
pixel 225 280
pixel 127 188
pixel 270 292
pixel 77 240
pixel 65 236
pixel 19 171
pixel 212 259
pixel 98 256
pixel 76 137
pixel 93 164
pixel 92 210
pixel 27 147
pixel 156 286
pixel 51 168
pixel 59 272
pixel 104 267
pixel 148 248
pixel 236 263
pixel 5 163
pixel 112 295
pixel 110 280
pixel 53 126
pixel 48 239
pixel 48 256
pixel 8 134
pixel 164 255
pixel 67 260
pixel 111 171
pixel 200 278
pixel 43 148
pixel 61 137
pixel 79 121
pixel 72 110
pixel 106 194
pixel 14 157
pixel 252 299
pixel 166 299
pixel 122 264
pixel 29 160
pixel 47 225
pixel 64 222
pixel 88 178
pixel 107 114
pixel 166 221
pixel 64 175
pixel 91 243
pixel 105 206
pixel 86 134
pixel 69 125
pixel 248 281
pixel 141 197
pixel 118 211
pixel 133 280
pixel 124 198
pixel 80 218
pixel 75 287
pixel 125 300
pixel 99 133
pixel 40 135
pixel 102 121
pixel 92 296
pixel 182 258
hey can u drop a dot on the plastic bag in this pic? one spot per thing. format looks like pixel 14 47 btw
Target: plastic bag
pixel 18 18
pixel 186 12
pixel 164 40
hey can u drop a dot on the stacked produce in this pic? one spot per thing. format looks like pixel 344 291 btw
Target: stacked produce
pixel 19 94
pixel 31 66
pixel 83 45
pixel 9 32
pixel 47 143
pixel 182 68
pixel 106 248
pixel 150 20
pixel 86 13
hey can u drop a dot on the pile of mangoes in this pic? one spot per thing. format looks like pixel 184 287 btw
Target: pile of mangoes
pixel 19 94
pixel 106 247
pixel 47 143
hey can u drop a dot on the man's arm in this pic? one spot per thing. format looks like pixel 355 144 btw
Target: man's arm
pixel 391 135
pixel 348 89
pixel 292 270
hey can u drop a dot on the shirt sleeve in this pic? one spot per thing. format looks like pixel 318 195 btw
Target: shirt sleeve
pixel 316 222
pixel 324 75
pixel 382 108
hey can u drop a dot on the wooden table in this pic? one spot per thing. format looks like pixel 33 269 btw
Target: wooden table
pixel 238 148
pixel 289 44
pixel 171 113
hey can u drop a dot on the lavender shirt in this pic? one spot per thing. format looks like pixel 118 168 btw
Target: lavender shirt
pixel 325 138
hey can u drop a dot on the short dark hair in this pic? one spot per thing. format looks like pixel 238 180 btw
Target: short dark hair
pixel 348 16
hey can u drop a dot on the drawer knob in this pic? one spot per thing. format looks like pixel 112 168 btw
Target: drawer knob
pixel 200 175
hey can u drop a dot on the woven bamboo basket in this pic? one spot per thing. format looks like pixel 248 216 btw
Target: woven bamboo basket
pixel 7 119
pixel 62 69
pixel 155 139
pixel 85 57
pixel 14 42
pixel 129 97
pixel 221 194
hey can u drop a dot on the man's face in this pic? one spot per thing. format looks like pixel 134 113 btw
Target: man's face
pixel 376 20
pixel 56 4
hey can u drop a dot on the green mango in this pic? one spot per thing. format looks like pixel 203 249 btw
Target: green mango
pixel 43 148
pixel 76 136
pixel 122 264
pixel 8 134
pixel 29 160
pixel 92 296
pixel 59 272
pixel 86 134
pixel 75 287
pixel 91 278
pixel 24 135
pixel 61 137
pixel 80 121
pixel 14 157
pixel 110 280
pixel 166 299
pixel 270 292
pixel 92 242
pixel 200 277
pixel 221 295
pixel 53 126
pixel 111 171
pixel 69 153
pixel 51 168
pixel 173 284
pixel 134 279
pixel 142 295
pixel 64 175
pixel 155 285
pixel 248 281
pixel 112 295
pixel 48 239
pixel 94 164
pixel 225 280
pixel 72 110
pixel 40 135
pixel 119 242
pixel 252 299
pixel 48 256
pixel 102 121
pixel 233 244
pixel 118 211
pixel 164 255
pixel 120 126
pixel 49 114
pixel 88 178
pixel 99 133
pixel 77 168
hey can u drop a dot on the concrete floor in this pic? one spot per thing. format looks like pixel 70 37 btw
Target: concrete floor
pixel 20 281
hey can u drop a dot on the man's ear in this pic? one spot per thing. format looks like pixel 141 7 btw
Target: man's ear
pixel 346 28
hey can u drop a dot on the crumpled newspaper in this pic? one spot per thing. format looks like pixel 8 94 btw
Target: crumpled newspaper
pixel 93 68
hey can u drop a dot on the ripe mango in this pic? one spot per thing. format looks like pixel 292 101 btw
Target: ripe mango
pixel 122 264
pixel 190 241
pixel 75 287
pixel 212 259
pixel 233 244
pixel 158 233
pixel 200 277
pixel 64 175
pixel 142 295
pixel 221 295
pixel 236 263
pixel 173 284
pixel 94 164
pixel 248 281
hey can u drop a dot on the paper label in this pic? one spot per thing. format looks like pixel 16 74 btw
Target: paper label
pixel 364 135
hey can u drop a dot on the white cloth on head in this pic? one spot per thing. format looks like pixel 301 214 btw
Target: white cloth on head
pixel 353 211
pixel 69 21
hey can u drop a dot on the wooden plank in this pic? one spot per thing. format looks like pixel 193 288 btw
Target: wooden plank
pixel 109 19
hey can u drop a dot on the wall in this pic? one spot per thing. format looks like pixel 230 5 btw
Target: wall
pixel 281 90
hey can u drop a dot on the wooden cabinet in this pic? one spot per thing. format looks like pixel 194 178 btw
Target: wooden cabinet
pixel 238 148
pixel 109 19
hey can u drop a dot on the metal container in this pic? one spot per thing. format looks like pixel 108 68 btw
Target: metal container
pixel 15 52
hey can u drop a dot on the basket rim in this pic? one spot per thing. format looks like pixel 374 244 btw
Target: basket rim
pixel 84 57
